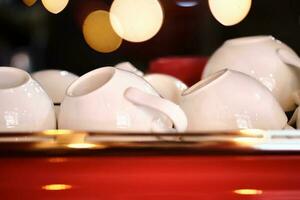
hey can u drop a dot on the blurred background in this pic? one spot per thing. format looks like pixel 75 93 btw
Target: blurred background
pixel 32 36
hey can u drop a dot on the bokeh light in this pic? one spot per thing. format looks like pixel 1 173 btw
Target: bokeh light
pixel 21 60
pixel 136 21
pixel 99 34
pixel 57 132
pixel 56 187
pixel 187 3
pixel 230 12
pixel 248 192
pixel 55 6
pixel 29 2
pixel 83 146
pixel 83 8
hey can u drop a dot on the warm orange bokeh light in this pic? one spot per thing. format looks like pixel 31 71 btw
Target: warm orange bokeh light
pixel 55 187
pixel 82 145
pixel 57 160
pixel 57 132
pixel 99 34
pixel 29 2
pixel 248 192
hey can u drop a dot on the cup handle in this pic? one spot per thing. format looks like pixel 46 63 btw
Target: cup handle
pixel 289 57
pixel 170 109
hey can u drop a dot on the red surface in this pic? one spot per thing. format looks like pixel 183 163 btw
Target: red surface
pixel 151 177
pixel 187 69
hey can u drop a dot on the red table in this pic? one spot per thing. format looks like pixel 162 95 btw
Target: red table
pixel 162 170
pixel 188 69
pixel 151 177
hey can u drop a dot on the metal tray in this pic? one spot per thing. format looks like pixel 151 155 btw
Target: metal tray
pixel 71 141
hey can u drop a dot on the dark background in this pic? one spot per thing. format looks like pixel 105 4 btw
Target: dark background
pixel 56 41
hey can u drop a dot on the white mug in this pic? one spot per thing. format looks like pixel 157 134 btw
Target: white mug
pixel 110 99
pixel 55 83
pixel 24 105
pixel 129 67
pixel 167 86
pixel 231 100
pixel 268 60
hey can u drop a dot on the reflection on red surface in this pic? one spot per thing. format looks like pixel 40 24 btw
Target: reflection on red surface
pixel 151 177
pixel 187 69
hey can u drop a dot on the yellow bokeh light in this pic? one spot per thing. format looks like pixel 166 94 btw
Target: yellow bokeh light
pixel 55 187
pixel 230 12
pixel 57 132
pixel 99 34
pixel 29 2
pixel 55 6
pixel 136 21
pixel 81 145
pixel 248 192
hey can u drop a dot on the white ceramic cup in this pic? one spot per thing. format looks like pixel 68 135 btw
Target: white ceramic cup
pixel 129 67
pixel 231 100
pixel 55 83
pixel 24 105
pixel 268 60
pixel 110 99
pixel 167 86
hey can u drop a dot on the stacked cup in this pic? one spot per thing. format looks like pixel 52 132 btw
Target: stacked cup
pixel 105 99
pixel 248 83
pixel 111 99
pixel 266 59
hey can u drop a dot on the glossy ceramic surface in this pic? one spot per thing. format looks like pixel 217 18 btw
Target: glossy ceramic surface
pixel 167 86
pixel 110 99
pixel 230 100
pixel 268 60
pixel 55 82
pixel 24 105
pixel 129 67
